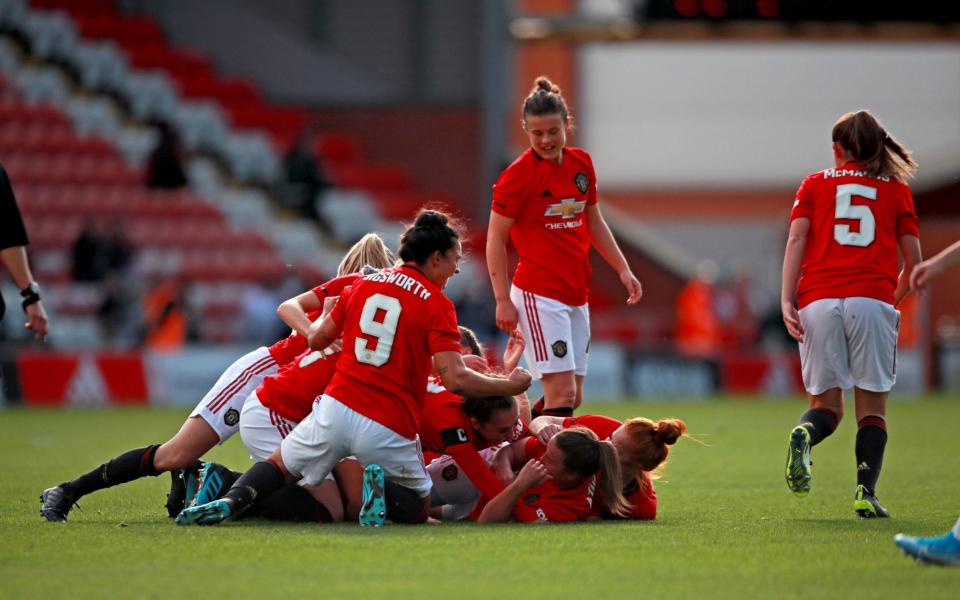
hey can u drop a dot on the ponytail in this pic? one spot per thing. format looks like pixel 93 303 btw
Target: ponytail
pixel 585 455
pixel 866 141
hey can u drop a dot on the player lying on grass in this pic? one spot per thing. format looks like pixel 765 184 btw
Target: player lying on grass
pixel 558 482
pixel 841 284
pixel 642 448
pixel 371 409
pixel 217 417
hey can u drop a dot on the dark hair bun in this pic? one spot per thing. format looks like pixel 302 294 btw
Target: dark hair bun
pixel 430 219
pixel 543 83
pixel 668 431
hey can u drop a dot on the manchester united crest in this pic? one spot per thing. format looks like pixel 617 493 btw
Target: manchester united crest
pixel 449 472
pixel 559 348
pixel 582 182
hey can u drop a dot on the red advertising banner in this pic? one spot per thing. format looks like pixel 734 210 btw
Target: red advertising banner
pixel 85 379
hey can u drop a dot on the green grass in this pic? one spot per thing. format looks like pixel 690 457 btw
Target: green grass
pixel 728 526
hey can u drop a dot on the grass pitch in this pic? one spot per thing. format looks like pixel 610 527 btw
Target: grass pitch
pixel 728 527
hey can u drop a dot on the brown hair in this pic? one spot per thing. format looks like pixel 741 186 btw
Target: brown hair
pixel 545 99
pixel 584 455
pixel 647 448
pixel 469 339
pixel 369 250
pixel 432 231
pixel 867 142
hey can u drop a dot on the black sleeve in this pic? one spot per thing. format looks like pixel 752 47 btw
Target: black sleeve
pixel 12 231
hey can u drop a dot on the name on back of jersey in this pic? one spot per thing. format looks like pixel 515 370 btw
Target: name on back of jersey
pixel 402 281
pixel 835 173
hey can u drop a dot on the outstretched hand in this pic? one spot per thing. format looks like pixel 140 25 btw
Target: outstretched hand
pixel 515 346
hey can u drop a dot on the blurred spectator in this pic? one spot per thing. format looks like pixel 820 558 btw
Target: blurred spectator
pixel 304 179
pixel 117 250
pixel 166 316
pixel 734 308
pixel 259 314
pixel 88 252
pixel 698 328
pixel 117 324
pixel 165 165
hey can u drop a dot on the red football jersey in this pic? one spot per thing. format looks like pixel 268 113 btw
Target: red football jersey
pixel 856 223
pixel 446 429
pixel 295 344
pixel 642 498
pixel 548 203
pixel 291 391
pixel 548 503
pixel 392 323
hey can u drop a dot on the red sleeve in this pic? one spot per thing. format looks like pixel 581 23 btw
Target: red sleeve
pixel 474 467
pixel 510 190
pixel 533 448
pixel 592 191
pixel 335 286
pixel 531 509
pixel 338 309
pixel 907 223
pixel 599 424
pixel 444 334
pixel 803 204
pixel 644 501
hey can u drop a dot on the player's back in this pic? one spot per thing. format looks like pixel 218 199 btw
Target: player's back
pixel 392 323
pixel 856 222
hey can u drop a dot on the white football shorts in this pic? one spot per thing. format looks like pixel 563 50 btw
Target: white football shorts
pixel 261 429
pixel 452 489
pixel 557 335
pixel 222 405
pixel 849 342
pixel 332 431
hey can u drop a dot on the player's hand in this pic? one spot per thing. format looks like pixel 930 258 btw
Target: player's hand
pixel 923 273
pixel 521 379
pixel 632 284
pixel 477 363
pixel 548 431
pixel 515 346
pixel 37 320
pixel 791 318
pixel 533 473
pixel 507 316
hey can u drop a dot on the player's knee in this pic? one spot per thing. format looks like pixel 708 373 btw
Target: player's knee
pixel 170 457
pixel 405 505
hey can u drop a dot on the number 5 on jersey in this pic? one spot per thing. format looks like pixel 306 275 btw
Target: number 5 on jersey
pixel 856 212
pixel 385 331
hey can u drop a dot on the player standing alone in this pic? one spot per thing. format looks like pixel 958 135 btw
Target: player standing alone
pixel 546 202
pixel 840 267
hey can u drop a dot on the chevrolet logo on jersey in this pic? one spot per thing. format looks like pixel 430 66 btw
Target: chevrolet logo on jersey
pixel 566 208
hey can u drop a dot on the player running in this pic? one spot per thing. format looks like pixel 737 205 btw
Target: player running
pixel 546 203
pixel 215 419
pixel 391 323
pixel 840 268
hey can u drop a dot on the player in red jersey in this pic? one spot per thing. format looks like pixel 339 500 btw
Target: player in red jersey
pixel 559 481
pixel 215 419
pixel 840 289
pixel 391 322
pixel 546 204
pixel 642 447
